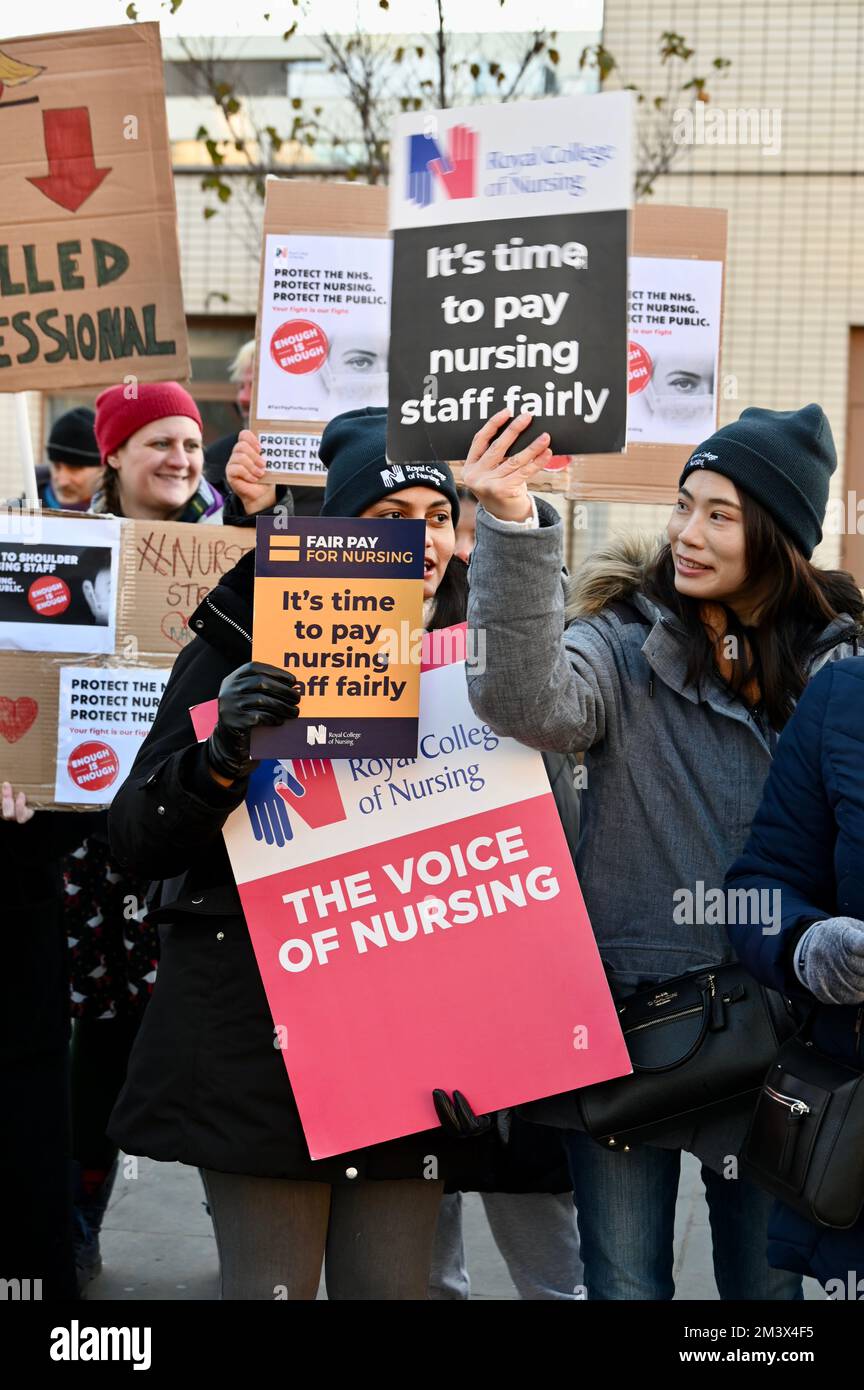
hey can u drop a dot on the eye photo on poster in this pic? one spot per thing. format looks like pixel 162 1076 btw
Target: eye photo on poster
pixel 58 590
pixel 325 306
pixel 673 352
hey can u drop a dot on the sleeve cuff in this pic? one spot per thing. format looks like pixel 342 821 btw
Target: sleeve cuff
pixel 194 777
pixel 543 518
pixel 530 523
pixel 798 954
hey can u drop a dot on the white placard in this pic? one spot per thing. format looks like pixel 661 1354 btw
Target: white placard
pixel 674 331
pixel 325 320
pixel 104 716
pixel 292 453
pixel 58 583
pixel 512 159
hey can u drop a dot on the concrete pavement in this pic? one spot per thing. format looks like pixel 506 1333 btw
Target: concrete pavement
pixel 157 1241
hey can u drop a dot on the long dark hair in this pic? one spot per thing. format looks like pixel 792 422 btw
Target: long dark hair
pixel 801 601
pixel 451 598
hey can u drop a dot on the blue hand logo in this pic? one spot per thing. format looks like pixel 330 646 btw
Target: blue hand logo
pixel 267 810
pixel 422 149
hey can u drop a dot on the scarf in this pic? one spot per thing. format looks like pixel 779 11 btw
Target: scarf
pixel 204 503
pixel 715 621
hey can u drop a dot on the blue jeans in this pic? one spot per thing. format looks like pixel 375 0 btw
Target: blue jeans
pixel 625 1208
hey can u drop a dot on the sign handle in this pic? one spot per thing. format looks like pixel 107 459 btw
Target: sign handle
pixel 25 447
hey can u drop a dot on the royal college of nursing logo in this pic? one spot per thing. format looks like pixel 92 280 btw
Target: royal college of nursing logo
pixel 431 165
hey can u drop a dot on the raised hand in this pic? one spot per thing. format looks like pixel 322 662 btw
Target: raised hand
pixel 245 472
pixel 501 483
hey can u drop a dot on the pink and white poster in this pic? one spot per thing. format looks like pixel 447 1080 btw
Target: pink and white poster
pixel 418 924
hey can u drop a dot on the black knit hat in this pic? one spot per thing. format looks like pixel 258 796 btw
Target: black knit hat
pixel 781 458
pixel 353 450
pixel 72 440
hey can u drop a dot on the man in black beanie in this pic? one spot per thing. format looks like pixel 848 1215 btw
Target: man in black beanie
pixel 74 465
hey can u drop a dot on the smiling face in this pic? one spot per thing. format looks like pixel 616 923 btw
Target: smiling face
pixel 159 468
pixel 423 504
pixel 706 533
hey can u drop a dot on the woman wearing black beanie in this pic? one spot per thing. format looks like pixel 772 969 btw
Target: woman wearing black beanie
pixel 206 1085
pixel 673 670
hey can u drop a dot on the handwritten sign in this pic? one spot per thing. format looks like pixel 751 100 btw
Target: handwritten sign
pixel 89 262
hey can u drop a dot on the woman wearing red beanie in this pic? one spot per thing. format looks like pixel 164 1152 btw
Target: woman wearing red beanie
pixel 153 455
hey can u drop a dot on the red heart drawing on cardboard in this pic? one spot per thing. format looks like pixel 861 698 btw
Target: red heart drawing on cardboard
pixel 174 627
pixel 16 716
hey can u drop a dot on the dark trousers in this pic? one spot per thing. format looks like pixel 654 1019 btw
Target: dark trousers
pixel 36 1220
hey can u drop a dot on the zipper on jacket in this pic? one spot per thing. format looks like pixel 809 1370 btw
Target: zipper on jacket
pixel 226 619
pixel 797 1107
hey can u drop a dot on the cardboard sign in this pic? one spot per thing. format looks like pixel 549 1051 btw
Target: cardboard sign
pixel 503 298
pixel 89 263
pixel 419 924
pixel 666 240
pixel 339 604
pixel 58 583
pixel 165 569
pixel 323 320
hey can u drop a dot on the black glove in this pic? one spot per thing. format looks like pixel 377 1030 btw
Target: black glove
pixel 458 1117
pixel 253 695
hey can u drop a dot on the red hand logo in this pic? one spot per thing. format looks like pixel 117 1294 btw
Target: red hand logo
pixel 320 802
pixel 459 180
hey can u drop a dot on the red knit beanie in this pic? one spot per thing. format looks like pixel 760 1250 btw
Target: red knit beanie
pixel 117 418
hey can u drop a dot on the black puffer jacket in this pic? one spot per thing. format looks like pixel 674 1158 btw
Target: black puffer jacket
pixel 206 1086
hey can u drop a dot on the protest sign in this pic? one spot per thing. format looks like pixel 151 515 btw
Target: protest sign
pixel 165 570
pixel 674 367
pixel 103 718
pixel 89 263
pixel 339 604
pixel 58 585
pixel 419 924
pixel 502 298
pixel 323 320
pixel 674 319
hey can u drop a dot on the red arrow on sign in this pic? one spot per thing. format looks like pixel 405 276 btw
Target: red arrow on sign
pixel 72 173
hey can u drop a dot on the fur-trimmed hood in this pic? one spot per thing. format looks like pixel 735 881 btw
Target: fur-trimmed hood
pixel 613 572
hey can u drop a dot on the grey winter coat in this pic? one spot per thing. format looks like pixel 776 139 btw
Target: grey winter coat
pixel 673 779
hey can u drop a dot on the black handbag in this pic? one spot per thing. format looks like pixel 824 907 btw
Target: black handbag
pixel 806 1138
pixel 702 1040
